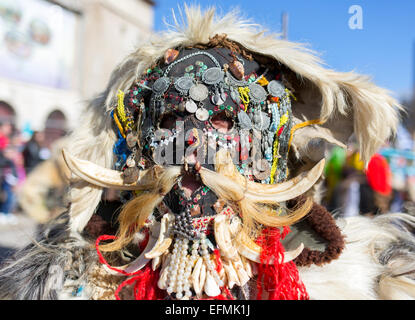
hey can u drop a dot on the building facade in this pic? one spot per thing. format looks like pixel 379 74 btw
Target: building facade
pixel 57 54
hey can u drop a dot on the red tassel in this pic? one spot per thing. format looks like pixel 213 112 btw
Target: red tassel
pixel 145 280
pixel 280 281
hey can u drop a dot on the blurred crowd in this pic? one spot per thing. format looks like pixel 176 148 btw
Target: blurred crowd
pixel 19 155
pixel 381 187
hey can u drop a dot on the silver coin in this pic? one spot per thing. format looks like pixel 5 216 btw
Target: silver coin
pixel 213 76
pixel 217 98
pixel 202 114
pixel 257 93
pixel 244 121
pixel 235 96
pixel 161 85
pixel 261 121
pixel 199 92
pixel 191 106
pixel 183 84
pixel 275 88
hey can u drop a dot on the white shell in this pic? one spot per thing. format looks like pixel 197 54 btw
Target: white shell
pixel 211 287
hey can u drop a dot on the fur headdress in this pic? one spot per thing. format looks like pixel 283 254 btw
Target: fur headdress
pixel 344 103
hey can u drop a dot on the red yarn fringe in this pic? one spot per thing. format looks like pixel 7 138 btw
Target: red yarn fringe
pixel 277 281
pixel 144 280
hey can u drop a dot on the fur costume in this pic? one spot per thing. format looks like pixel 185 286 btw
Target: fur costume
pixel 246 234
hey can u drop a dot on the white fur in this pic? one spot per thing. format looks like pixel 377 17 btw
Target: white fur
pixel 355 275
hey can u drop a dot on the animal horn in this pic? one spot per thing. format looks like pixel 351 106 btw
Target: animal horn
pixel 251 251
pixel 289 189
pixel 269 192
pixel 107 178
pixel 140 261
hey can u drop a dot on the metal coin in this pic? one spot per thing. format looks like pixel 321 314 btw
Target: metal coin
pixel 191 106
pixel 183 84
pixel 244 121
pixel 218 99
pixel 257 93
pixel 235 96
pixel 261 121
pixel 199 92
pixel 202 114
pixel 213 76
pixel 161 85
pixel 275 88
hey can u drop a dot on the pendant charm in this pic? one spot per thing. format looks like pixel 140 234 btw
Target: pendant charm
pixel 191 106
pixel 217 98
pixel 275 88
pixel 199 92
pixel 257 93
pixel 202 114
pixel 213 76
pixel 161 85
pixel 261 169
pixel 244 121
pixel 235 96
pixel 130 162
pixel 131 140
pixel 261 121
pixel 237 69
pixel 183 84
pixel 170 55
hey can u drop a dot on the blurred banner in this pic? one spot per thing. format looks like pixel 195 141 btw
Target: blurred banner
pixel 37 41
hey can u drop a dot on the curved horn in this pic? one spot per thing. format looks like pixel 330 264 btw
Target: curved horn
pixel 286 190
pixel 154 248
pixel 251 251
pixel 138 263
pixel 163 241
pixel 269 192
pixel 300 183
pixel 107 178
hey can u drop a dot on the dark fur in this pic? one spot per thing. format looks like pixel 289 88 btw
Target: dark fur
pixel 38 271
pixel 323 223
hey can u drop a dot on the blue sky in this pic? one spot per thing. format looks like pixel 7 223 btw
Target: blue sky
pixel 383 49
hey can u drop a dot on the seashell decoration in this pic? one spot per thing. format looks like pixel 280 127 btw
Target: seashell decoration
pixel 237 69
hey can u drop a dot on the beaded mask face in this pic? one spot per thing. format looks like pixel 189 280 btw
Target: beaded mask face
pixel 197 102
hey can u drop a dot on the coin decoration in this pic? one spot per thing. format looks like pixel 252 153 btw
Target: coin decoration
pixel 199 92
pixel 275 88
pixel 183 84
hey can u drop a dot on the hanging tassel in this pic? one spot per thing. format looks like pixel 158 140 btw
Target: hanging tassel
pixel 144 281
pixel 280 281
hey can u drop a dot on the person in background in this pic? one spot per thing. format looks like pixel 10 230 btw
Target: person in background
pixel 9 181
pixel 32 151
pixel 8 175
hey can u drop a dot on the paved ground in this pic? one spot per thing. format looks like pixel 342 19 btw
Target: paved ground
pixel 13 237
